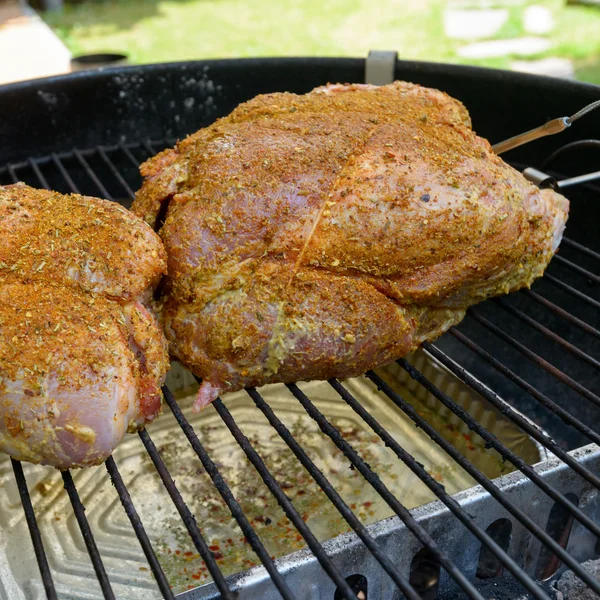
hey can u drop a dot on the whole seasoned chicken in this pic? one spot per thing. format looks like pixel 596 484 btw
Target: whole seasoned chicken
pixel 321 235
pixel 82 357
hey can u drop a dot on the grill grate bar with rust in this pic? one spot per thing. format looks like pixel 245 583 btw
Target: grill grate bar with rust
pixel 34 530
pixel 138 527
pixel 228 497
pixel 518 462
pixel 577 246
pixel 285 503
pixel 543 399
pixel 88 536
pixel 571 290
pixel 577 268
pixel 360 530
pixel 590 360
pixel 535 358
pixel 373 479
pixel 562 313
pixel 438 489
pixel 187 517
pixel 111 172
pixel 465 464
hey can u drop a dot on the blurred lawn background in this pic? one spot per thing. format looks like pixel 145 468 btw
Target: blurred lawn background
pixel 168 30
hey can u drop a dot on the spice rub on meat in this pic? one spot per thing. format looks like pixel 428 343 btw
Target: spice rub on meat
pixel 82 357
pixel 321 235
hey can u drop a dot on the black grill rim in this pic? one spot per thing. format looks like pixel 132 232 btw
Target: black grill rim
pixel 99 115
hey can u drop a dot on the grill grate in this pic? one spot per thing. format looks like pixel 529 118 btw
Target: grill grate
pixel 112 172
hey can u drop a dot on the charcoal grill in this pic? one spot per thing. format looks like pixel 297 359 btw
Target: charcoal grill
pixel 511 537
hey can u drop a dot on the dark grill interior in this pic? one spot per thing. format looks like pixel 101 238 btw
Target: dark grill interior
pixel 535 349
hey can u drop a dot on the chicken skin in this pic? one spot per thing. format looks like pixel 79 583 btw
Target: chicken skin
pixel 321 235
pixel 82 357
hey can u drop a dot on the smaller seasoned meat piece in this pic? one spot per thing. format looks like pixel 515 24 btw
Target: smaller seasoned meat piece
pixel 82 356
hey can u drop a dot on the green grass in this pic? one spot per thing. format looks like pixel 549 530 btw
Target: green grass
pixel 166 30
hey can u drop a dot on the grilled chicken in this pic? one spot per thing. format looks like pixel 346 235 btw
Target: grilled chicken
pixel 82 357
pixel 321 235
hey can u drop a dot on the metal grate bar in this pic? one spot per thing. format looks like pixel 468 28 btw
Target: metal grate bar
pixel 150 149
pixel 575 267
pixel 517 461
pixel 113 169
pixel 90 172
pixel 86 152
pixel 438 489
pixel 581 248
pixel 187 517
pixel 284 502
pixel 127 151
pixel 548 333
pixel 477 475
pixel 64 173
pixel 535 358
pixel 562 312
pixel 34 531
pixel 140 532
pixel 44 160
pixel 227 495
pixel 38 174
pixel 542 398
pixel 334 497
pixel 13 174
pixel 373 479
pixel 88 536
pixel 571 290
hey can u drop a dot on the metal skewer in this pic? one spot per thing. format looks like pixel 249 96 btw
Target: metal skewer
pixel 543 180
pixel 549 128
pixel 579 179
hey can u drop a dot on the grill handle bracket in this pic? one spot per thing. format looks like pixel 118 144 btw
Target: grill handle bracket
pixel 380 67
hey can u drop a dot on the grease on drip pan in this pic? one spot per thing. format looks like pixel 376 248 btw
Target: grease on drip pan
pixel 122 555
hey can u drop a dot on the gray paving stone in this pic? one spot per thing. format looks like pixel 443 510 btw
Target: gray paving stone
pixel 525 46
pixel 473 24
pixel 553 66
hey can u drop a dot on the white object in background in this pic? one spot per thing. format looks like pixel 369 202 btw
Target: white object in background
pixel 538 20
pixel 526 46
pixel 553 66
pixel 33 48
pixel 473 23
